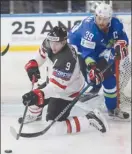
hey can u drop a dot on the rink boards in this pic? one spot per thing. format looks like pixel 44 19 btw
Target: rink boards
pixel 26 32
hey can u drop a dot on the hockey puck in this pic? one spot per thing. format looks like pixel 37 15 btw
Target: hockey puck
pixel 8 151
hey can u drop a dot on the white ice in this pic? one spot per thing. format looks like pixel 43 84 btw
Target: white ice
pixel 15 83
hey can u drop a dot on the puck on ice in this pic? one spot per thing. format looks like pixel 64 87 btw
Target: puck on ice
pixel 8 151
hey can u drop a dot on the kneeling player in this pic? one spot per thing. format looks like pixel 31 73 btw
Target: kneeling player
pixel 65 83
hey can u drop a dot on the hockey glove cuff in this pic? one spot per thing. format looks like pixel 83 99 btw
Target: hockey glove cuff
pixel 95 75
pixel 35 97
pixel 32 70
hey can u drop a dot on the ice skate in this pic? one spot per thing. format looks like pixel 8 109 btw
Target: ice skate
pixel 97 120
pixel 118 114
pixel 30 118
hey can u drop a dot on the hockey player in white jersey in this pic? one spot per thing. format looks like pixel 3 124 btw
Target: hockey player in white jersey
pixel 102 37
pixel 65 83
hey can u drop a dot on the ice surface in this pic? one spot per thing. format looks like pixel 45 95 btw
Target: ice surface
pixel 116 141
pixel 15 83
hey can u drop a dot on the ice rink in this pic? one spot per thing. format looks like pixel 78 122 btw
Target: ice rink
pixel 14 83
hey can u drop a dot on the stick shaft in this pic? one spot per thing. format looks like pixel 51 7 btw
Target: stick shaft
pixel 25 111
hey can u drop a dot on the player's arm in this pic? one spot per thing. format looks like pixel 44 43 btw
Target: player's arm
pixel 32 67
pixel 94 73
pixel 95 69
pixel 41 55
pixel 74 35
pixel 57 85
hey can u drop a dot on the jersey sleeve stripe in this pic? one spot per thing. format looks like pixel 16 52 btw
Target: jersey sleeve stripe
pixel 57 83
pixel 42 55
pixel 74 94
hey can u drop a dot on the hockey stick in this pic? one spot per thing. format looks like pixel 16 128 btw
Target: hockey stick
pixel 92 93
pixel 88 97
pixel 23 118
pixel 30 135
pixel 5 51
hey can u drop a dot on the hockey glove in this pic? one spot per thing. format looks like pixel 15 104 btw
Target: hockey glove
pixel 95 74
pixel 35 97
pixel 32 69
pixel 121 49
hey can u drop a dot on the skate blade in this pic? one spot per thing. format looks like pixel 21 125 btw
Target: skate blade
pixel 102 118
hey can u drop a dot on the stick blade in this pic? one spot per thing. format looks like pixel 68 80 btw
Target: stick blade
pixel 87 97
pixel 6 50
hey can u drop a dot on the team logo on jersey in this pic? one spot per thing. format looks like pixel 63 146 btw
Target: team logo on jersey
pixel 63 75
pixel 87 44
pixel 111 43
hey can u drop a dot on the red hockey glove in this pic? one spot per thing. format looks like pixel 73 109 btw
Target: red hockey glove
pixel 32 70
pixel 35 97
pixel 95 75
pixel 121 49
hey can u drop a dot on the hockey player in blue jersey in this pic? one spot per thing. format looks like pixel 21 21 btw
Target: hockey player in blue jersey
pixel 98 38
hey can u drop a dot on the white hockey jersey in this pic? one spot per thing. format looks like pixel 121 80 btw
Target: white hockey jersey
pixel 65 78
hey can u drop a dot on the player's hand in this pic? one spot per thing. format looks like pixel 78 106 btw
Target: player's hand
pixel 121 49
pixel 32 70
pixel 95 75
pixel 35 97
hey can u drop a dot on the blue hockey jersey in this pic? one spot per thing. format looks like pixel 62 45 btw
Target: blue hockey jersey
pixel 91 41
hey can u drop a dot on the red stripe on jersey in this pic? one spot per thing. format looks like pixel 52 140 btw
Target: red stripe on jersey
pixel 69 127
pixel 42 53
pixel 74 95
pixel 77 123
pixel 57 83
